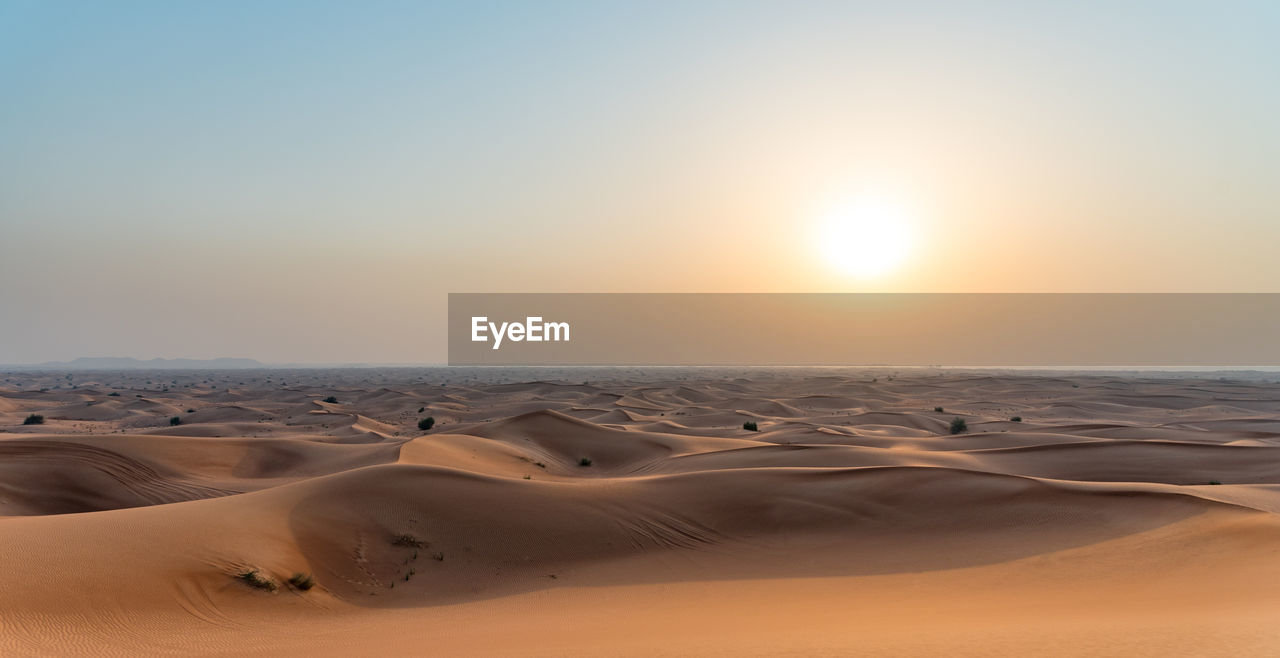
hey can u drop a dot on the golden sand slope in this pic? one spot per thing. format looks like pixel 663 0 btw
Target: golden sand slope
pixel 635 515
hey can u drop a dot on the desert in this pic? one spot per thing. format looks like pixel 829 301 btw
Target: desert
pixel 612 511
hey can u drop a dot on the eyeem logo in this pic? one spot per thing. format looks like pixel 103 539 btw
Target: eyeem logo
pixel 533 329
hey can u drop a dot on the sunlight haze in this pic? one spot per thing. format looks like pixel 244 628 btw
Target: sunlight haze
pixel 205 179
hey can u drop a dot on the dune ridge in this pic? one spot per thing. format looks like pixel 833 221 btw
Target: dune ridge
pixel 632 513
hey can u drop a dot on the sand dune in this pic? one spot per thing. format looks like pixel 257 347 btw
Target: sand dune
pixel 633 514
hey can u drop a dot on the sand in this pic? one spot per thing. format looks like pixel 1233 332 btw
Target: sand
pixel 628 513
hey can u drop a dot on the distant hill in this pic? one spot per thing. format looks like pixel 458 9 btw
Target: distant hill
pixel 130 363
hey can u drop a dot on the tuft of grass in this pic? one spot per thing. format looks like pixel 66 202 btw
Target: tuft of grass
pixel 175 421
pixel 427 423
pixel 751 426
pixel 585 461
pixel 406 539
pixel 539 464
pixel 1016 419
pixel 331 400
pixel 1214 482
pixel 33 419
pixel 938 409
pixel 958 425
pixel 255 580
pixel 302 581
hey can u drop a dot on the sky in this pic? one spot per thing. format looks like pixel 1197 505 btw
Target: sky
pixel 306 181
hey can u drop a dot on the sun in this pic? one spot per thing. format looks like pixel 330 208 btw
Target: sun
pixel 865 237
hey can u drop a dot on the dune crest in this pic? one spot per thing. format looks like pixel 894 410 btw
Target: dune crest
pixel 552 518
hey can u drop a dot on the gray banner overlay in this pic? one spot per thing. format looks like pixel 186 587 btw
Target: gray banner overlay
pixel 865 329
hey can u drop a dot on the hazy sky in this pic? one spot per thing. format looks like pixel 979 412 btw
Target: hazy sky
pixel 306 181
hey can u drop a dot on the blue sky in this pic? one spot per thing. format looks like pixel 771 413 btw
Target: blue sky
pixel 203 179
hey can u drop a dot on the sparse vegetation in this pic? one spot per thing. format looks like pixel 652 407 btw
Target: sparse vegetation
pixel 438 557
pixel 539 464
pixel 191 411
pixel 33 419
pixel 750 425
pixel 1016 419
pixel 426 423
pixel 255 580
pixel 585 461
pixel 302 581
pixel 958 425
pixel 421 409
pixel 1214 482
pixel 113 394
pixel 406 539
pixel 331 400
pixel 175 421
pixel 938 409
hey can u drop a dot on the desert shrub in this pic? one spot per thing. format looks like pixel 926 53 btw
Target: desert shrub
pixel 426 423
pixel 113 394
pixel 539 464
pixel 406 539
pixel 191 411
pixel 421 409
pixel 958 425
pixel 33 419
pixel 175 421
pixel 938 409
pixel 1214 482
pixel 302 581
pixel 255 580
pixel 751 425
pixel 1016 419
pixel 585 461
pixel 331 400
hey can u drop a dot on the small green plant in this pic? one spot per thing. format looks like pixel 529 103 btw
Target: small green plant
pixel 938 409
pixel 958 425
pixel 1214 482
pixel 426 423
pixel 421 409
pixel 331 400
pixel 751 426
pixel 255 580
pixel 1016 419
pixel 175 421
pixel 33 419
pixel 302 581
pixel 406 539
pixel 585 461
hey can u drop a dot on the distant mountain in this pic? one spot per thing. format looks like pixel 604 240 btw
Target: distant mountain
pixel 130 363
